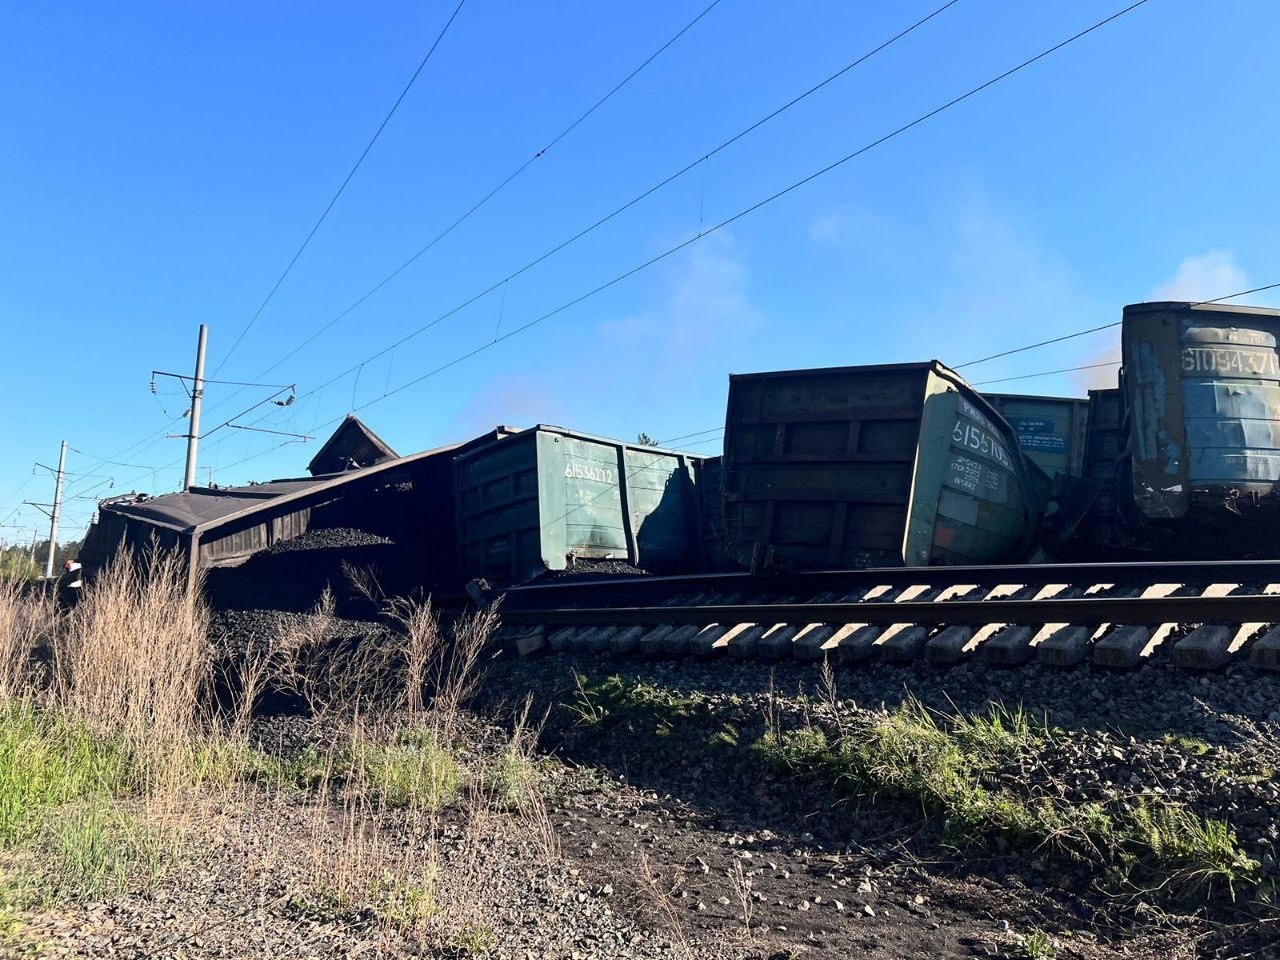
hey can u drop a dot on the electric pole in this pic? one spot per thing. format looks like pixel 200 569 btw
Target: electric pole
pixel 193 431
pixel 57 509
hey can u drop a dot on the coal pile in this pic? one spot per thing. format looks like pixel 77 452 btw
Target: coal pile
pixel 234 633
pixel 587 568
pixel 293 574
pixel 335 538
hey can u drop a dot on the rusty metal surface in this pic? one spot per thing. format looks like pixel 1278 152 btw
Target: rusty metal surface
pixel 1103 446
pixel 1202 391
pixel 352 446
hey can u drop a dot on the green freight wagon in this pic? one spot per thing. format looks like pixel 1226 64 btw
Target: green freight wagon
pixel 1103 448
pixel 889 465
pixel 1051 431
pixel 708 475
pixel 540 499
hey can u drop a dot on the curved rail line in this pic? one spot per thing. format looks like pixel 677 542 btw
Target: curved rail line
pixel 1202 615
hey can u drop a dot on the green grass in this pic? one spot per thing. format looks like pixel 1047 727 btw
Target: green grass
pixel 947 768
pixel 415 771
pixel 474 941
pixel 514 777
pixel 1194 854
pixel 411 771
pixel 633 704
pixel 64 828
pixel 1192 745
pixel 46 762
pixel 100 851
pixel 1038 945
pixel 404 903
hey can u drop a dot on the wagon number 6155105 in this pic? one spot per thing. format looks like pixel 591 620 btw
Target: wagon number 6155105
pixel 975 438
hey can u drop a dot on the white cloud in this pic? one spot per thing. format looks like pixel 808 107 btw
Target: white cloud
pixel 705 306
pixel 828 227
pixel 1205 276
pixel 1105 349
pixel 1002 287
pixel 515 399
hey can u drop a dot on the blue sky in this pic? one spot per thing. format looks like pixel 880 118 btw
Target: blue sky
pixel 161 163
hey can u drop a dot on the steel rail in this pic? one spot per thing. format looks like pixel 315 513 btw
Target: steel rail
pixel 1234 609
pixel 815 582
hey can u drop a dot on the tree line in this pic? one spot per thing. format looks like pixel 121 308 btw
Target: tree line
pixel 19 562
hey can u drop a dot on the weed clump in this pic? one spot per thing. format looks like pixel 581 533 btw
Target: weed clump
pixel 112 761
pixel 949 767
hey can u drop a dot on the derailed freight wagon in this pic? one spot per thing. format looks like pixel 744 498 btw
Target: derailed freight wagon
pixel 1051 431
pixel 1201 394
pixel 1103 447
pixel 542 499
pixel 406 499
pixel 901 464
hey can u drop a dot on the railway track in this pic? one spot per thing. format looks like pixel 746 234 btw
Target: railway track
pixel 1201 615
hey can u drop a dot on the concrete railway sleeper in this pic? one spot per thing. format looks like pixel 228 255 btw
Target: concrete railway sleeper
pixel 1201 616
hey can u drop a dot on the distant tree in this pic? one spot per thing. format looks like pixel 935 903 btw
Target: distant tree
pixel 66 551
pixel 645 440
pixel 19 562
pixel 16 564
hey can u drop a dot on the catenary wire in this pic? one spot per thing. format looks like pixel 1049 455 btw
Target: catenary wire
pixel 159 435
pixel 1232 296
pixel 759 204
pixel 1046 373
pixel 608 217
pixel 493 192
pixel 101 460
pixel 684 436
pixel 728 221
pixel 341 187
pixel 1106 326
pixel 1042 343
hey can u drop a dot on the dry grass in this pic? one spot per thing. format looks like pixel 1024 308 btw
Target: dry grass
pixel 111 763
pixel 661 894
pixel 27 622
pixel 132 660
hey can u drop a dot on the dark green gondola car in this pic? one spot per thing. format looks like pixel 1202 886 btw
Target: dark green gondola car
pixel 888 465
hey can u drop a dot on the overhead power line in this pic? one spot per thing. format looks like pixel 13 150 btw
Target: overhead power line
pixel 603 220
pixel 494 191
pixel 1232 296
pixel 685 436
pixel 102 460
pixel 719 226
pixel 1033 346
pixel 1106 326
pixel 1046 373
pixel 341 187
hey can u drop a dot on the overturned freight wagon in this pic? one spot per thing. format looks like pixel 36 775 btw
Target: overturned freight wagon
pixel 542 499
pixel 406 499
pixel 890 465
pixel 1201 397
